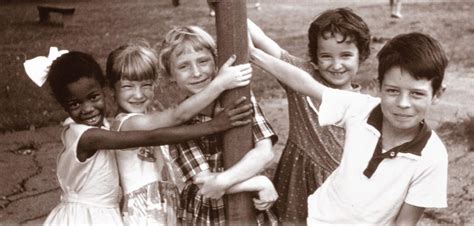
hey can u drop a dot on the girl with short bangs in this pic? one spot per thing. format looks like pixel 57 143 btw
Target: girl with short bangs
pixel 146 175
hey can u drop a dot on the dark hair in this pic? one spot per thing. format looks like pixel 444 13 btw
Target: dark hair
pixel 339 21
pixel 69 68
pixel 419 54
pixel 135 61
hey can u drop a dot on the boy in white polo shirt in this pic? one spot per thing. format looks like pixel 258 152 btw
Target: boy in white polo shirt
pixel 393 166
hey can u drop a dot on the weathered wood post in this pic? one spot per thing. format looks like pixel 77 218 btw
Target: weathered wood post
pixel 231 27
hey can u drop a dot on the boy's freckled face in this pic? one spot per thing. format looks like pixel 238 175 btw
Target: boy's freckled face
pixel 85 103
pixel 405 100
pixel 134 96
pixel 338 61
pixel 193 69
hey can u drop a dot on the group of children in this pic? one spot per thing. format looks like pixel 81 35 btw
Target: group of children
pixel 392 165
pixel 349 158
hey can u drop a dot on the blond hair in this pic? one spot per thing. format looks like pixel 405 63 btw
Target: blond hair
pixel 135 61
pixel 175 39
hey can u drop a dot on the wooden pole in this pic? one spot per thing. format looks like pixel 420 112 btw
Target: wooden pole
pixel 231 23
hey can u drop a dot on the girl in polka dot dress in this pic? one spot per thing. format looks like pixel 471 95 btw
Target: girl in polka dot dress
pixel 338 42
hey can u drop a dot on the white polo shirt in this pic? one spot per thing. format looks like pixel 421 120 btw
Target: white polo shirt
pixel 415 173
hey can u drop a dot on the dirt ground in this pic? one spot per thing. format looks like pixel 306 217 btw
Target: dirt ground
pixel 29 188
pixel 28 185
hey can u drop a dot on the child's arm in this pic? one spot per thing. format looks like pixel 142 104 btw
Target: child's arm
pixel 267 194
pixel 262 41
pixel 94 139
pixel 252 163
pixel 216 184
pixel 299 80
pixel 229 77
pixel 409 214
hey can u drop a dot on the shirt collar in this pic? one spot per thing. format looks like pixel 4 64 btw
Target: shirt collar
pixel 414 146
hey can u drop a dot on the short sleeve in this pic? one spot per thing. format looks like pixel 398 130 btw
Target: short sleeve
pixel 429 185
pixel 338 107
pixel 188 159
pixel 71 135
pixel 68 164
pixel 261 128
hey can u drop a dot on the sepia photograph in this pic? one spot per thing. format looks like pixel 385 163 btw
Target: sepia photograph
pixel 236 112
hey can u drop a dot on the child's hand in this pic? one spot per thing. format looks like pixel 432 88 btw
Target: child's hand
pixel 267 195
pixel 230 77
pixel 238 114
pixel 200 177
pixel 210 186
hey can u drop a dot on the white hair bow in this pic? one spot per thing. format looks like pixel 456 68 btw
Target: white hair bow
pixel 38 67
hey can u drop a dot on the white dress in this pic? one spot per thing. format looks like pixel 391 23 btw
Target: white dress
pixel 90 190
pixel 150 193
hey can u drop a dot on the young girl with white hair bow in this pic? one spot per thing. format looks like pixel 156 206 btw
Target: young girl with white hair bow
pixel 86 167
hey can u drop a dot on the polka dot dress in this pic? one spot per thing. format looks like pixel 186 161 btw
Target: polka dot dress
pixel 312 152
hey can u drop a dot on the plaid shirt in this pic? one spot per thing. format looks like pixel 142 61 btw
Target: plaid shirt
pixel 205 153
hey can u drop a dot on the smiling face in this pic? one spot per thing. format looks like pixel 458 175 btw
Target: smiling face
pixel 134 96
pixel 85 102
pixel 338 61
pixel 192 68
pixel 405 100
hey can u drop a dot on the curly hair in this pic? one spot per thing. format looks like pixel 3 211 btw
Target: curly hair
pixel 341 21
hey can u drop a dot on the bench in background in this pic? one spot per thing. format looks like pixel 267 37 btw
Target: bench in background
pixel 65 11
